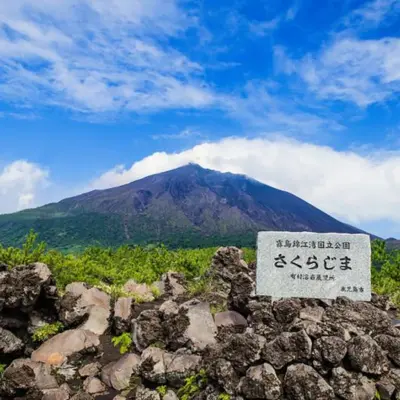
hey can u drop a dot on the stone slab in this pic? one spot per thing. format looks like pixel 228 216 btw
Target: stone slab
pixel 314 265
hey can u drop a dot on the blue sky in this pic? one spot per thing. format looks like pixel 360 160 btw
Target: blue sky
pixel 302 95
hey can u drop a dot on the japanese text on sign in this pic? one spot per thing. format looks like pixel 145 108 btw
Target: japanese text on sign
pixel 307 264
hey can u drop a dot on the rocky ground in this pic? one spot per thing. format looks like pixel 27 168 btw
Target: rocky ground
pixel 224 344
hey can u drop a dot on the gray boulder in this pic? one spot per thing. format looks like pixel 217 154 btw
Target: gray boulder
pixel 231 320
pixel 385 389
pixel 24 374
pixel 152 365
pixel 242 288
pixel 314 314
pixel 123 313
pixel 9 343
pixel 147 329
pixel 302 382
pixel 261 382
pixel 328 352
pixel 21 286
pixel 121 372
pixel 87 306
pixel 242 350
pixel 143 393
pixel 286 348
pixel 174 284
pixel 89 370
pixel 178 367
pixel 223 372
pixel 62 393
pixel 56 350
pixel 193 326
pixel 93 385
pixel 366 356
pixel 286 310
pixel 391 345
pixel 352 385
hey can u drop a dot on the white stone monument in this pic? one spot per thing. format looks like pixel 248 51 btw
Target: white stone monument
pixel 314 265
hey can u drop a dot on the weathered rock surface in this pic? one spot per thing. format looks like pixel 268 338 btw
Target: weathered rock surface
pixel 24 374
pixel 147 329
pixel 328 352
pixel 92 369
pixel 232 320
pixel 121 372
pixel 174 284
pixel 286 348
pixel 86 305
pixel 123 313
pixel 352 385
pixel 192 326
pixel 366 356
pixel 21 287
pixel 391 345
pixel 261 382
pixel 302 382
pixel 93 385
pixel 9 343
pixel 57 349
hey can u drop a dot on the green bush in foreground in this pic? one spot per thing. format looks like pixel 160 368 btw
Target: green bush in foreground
pixel 112 267
pixel 45 332
pixel 124 342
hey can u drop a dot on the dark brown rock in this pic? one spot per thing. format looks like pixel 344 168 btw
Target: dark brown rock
pixel 147 329
pixel 391 345
pixel 286 348
pixel 261 382
pixel 302 382
pixel 366 356
pixel 351 385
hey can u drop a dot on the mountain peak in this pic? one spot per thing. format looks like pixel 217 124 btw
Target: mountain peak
pixel 187 207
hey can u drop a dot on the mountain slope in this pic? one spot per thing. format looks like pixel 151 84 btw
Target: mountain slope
pixel 188 206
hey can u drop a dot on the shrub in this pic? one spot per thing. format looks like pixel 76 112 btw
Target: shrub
pixel 162 390
pixel 124 342
pixel 193 385
pixel 45 332
pixel 2 369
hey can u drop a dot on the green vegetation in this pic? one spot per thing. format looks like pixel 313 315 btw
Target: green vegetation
pixel 162 390
pixel 224 396
pixel 45 332
pixel 111 268
pixel 2 369
pixel 193 385
pixel 124 342
pixel 386 271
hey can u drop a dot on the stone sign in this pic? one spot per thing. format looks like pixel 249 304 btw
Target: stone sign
pixel 314 265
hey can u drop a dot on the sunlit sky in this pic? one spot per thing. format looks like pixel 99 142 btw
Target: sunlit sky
pixel 301 95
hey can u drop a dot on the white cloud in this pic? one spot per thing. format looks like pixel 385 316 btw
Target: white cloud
pixel 360 71
pixel 263 28
pixel 109 57
pixel 373 13
pixel 353 187
pixel 20 184
pixel 186 133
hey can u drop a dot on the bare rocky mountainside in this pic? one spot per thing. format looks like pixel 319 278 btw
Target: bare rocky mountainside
pixel 224 343
pixel 186 207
